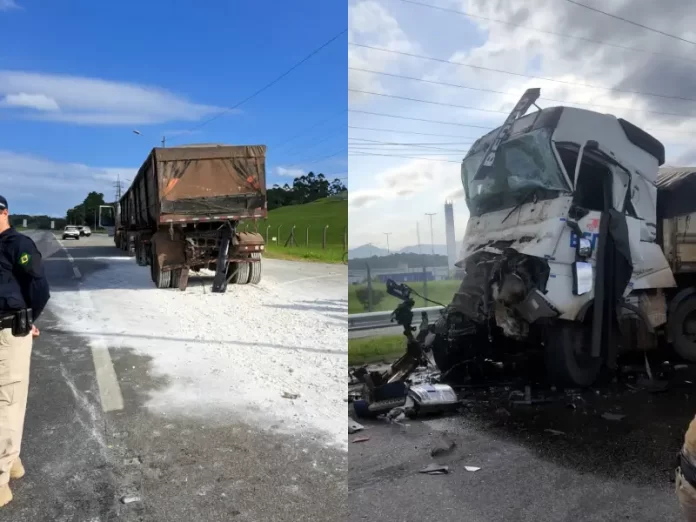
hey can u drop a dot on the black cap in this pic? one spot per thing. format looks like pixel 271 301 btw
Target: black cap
pixel 3 203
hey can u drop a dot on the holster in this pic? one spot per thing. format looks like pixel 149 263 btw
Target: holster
pixel 22 323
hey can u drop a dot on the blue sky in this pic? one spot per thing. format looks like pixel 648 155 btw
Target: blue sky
pixel 76 77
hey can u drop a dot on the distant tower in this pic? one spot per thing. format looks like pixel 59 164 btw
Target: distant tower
pixel 451 241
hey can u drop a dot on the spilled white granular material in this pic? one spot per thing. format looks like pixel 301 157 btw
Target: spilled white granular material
pixel 228 356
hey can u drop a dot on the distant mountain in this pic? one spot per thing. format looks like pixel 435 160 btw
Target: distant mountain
pixel 364 251
pixel 440 250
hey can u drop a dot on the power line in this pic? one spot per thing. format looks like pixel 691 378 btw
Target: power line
pixel 573 37
pixel 652 129
pixel 427 151
pixel 493 91
pixel 412 143
pixel 328 136
pixel 522 75
pixel 311 127
pixel 629 21
pixel 400 156
pixel 409 132
pixel 305 163
pixel 467 107
pixel 383 144
pixel 272 82
pixel 421 119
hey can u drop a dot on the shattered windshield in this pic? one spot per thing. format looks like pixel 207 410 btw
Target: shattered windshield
pixel 521 165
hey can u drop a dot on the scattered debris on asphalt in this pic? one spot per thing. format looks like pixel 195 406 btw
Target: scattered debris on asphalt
pixel 612 416
pixel 444 446
pixel 360 439
pixel 354 427
pixel 435 469
pixel 554 432
pixel 288 395
pixel 471 468
pixel 129 499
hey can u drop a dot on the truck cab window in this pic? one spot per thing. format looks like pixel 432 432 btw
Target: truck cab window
pixel 593 186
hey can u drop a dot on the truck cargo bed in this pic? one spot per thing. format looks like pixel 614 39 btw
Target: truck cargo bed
pixel 197 183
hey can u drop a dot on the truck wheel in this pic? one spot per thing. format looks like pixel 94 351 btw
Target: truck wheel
pixel 140 254
pixel 569 362
pixel 682 328
pixel 255 269
pixel 242 275
pixel 176 275
pixel 161 279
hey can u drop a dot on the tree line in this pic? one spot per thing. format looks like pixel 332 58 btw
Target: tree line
pixel 395 260
pixel 305 189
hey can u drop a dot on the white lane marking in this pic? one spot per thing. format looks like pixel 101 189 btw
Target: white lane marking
pixel 109 390
pixel 107 381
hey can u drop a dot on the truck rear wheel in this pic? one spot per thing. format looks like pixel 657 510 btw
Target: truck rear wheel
pixel 160 278
pixel 242 275
pixel 255 270
pixel 682 328
pixel 569 362
pixel 141 253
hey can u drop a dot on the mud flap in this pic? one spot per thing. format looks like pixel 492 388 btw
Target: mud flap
pixel 220 281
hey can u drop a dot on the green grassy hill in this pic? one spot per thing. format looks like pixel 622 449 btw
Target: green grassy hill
pixel 316 215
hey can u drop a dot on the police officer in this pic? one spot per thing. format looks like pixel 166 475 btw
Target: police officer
pixel 23 295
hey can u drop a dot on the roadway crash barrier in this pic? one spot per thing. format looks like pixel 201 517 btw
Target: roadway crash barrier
pixel 373 320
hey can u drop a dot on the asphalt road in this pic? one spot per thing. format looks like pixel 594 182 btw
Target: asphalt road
pixel 589 469
pixel 85 464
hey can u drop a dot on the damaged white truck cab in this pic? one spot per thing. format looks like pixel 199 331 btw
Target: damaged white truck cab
pixel 564 247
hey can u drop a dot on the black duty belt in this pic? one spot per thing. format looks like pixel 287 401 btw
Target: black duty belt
pixel 687 468
pixel 6 321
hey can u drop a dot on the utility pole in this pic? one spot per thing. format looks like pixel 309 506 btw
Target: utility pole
pixel 387 234
pixel 432 236
pixel 164 141
pixel 418 237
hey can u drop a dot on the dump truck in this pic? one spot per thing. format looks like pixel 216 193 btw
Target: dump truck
pixel 183 210
pixel 579 248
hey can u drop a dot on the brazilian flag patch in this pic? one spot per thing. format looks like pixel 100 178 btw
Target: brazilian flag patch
pixel 24 259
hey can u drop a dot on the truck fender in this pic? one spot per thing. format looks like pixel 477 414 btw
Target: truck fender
pixel 677 299
pixel 249 238
pixel 169 252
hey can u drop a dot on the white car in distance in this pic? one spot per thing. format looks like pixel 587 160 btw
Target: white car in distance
pixel 71 232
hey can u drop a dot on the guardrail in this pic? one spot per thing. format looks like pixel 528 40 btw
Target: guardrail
pixel 374 320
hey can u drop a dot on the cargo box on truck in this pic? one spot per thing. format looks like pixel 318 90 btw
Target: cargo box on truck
pixel 183 209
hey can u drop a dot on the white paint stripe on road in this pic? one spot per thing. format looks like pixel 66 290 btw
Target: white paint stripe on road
pixel 107 381
pixel 109 390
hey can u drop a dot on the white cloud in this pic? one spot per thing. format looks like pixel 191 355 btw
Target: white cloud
pixel 289 172
pixel 8 5
pixel 93 101
pixel 369 22
pixel 63 185
pixel 39 102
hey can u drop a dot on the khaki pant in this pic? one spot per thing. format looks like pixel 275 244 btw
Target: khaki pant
pixel 687 497
pixel 15 357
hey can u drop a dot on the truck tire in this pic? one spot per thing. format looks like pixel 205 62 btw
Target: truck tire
pixel 682 328
pixel 140 254
pixel 255 269
pixel 242 275
pixel 567 347
pixel 161 279
pixel 176 275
